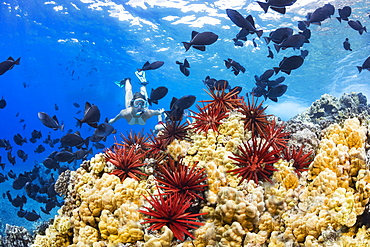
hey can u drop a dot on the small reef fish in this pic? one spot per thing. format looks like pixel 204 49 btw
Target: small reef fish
pixel 151 66
pixel 50 122
pixel 200 40
pixel 279 35
pixel 344 13
pixel 157 94
pixel 2 103
pixel 8 64
pixel 295 41
pixel 347 45
pixel 245 23
pixel 236 67
pixel 39 149
pixel 288 64
pixel 178 106
pixel 73 140
pixel 91 116
pixel 103 130
pixel 82 154
pixel 320 14
pixel 277 5
pixel 184 67
pixel 356 25
pixel 50 163
pixel 19 140
pixel 21 154
pixel 214 84
pixel 64 156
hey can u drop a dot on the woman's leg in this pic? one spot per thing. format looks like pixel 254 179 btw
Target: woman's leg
pixel 143 92
pixel 128 92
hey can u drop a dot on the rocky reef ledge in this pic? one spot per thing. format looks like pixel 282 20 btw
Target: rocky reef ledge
pixel 317 197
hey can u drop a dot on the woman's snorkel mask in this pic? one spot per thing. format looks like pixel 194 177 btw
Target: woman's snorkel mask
pixel 140 103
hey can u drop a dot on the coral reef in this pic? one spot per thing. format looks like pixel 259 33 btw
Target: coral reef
pixel 16 236
pixel 318 194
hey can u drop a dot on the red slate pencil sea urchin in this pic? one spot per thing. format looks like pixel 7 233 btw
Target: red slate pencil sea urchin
pixel 207 119
pixel 173 130
pixel 222 100
pixel 255 160
pixel 127 160
pixel 301 161
pixel 175 177
pixel 170 211
pixel 254 118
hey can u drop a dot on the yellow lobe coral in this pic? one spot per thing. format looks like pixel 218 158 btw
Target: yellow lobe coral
pixel 163 241
pixel 285 175
pixel 87 236
pixel 216 180
pixel 98 163
pixel 342 151
pixel 62 224
pixel 340 205
pixel 57 235
pixel 233 236
pixel 178 148
pixel 232 131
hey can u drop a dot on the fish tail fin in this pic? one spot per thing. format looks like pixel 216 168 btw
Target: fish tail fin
pixel 307 23
pixel 339 19
pixel 277 48
pixel 279 10
pixel 359 69
pixel 200 47
pixel 79 123
pixel 187 45
pixel 17 61
pixel 153 101
pixel 227 64
pixel 264 6
pixel 259 33
pixel 267 39
pixel 365 29
pixel 90 151
pixel 186 63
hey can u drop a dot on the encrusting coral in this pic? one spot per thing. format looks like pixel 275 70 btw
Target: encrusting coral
pixel 318 205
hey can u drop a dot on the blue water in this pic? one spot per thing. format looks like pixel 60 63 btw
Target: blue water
pixel 73 51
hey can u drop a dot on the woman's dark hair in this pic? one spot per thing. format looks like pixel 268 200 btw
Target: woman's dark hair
pixel 137 95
